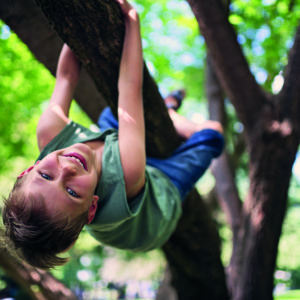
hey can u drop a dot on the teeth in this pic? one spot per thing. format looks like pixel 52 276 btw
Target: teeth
pixel 77 160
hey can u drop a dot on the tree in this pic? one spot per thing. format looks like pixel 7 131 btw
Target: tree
pixel 271 131
pixel 272 135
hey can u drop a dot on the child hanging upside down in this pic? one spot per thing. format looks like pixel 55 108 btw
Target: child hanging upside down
pixel 103 180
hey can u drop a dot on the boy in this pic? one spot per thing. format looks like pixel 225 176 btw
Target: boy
pixel 100 179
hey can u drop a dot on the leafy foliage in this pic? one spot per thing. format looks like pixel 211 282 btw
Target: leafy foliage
pixel 265 35
pixel 173 48
pixel 24 85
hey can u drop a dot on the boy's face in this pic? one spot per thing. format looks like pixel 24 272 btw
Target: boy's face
pixel 67 179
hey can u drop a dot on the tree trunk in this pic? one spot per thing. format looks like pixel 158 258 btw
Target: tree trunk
pixel 272 130
pixel 193 254
pixel 271 162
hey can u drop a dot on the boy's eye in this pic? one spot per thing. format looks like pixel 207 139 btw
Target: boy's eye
pixel 46 176
pixel 72 193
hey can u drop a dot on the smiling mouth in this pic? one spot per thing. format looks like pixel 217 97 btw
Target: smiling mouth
pixel 79 158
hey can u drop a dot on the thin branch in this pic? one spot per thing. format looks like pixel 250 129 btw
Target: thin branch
pixel 226 189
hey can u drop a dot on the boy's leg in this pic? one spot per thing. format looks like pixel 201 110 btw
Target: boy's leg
pixel 186 128
pixel 190 160
pixel 204 141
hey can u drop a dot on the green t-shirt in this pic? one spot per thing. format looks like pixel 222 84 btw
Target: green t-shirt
pixel 143 223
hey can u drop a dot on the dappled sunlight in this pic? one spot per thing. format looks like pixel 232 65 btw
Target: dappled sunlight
pixel 284 127
pixel 277 83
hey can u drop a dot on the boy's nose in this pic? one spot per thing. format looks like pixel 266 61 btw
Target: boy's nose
pixel 68 170
pixel 67 167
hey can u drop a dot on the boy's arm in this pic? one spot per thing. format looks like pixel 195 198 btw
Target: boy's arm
pixel 55 117
pixel 130 107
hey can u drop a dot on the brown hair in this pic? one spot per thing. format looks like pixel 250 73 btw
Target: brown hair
pixel 36 235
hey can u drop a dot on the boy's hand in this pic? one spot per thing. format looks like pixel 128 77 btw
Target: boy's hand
pixel 127 9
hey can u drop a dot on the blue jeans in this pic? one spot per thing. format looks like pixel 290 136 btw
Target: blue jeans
pixel 188 162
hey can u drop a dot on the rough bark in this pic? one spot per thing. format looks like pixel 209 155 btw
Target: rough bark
pixel 95 32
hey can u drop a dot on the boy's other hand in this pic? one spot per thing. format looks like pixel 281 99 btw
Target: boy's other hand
pixel 127 8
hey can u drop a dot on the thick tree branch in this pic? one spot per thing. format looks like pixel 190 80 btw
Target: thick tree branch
pixel 193 252
pixel 26 19
pixel 229 61
pixel 95 31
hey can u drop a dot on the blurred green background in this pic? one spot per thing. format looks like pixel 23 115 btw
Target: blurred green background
pixel 175 55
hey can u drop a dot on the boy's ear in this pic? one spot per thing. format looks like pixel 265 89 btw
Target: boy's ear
pixel 93 209
pixel 28 170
